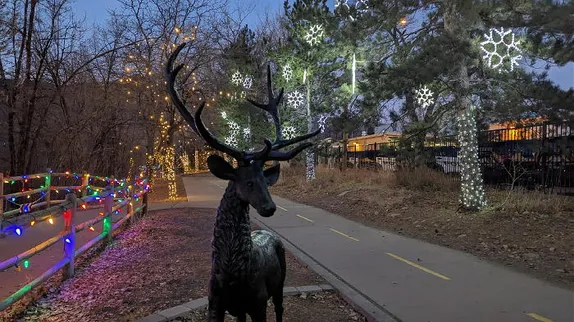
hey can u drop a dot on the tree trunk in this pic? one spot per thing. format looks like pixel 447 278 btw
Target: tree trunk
pixel 345 150
pixel 472 196
pixel 310 154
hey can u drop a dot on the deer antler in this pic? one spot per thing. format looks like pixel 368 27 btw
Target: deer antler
pixel 197 124
pixel 171 75
pixel 279 143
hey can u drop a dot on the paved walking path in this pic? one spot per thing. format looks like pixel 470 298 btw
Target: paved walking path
pixel 410 279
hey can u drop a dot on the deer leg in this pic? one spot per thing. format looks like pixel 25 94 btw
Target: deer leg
pixel 215 309
pixel 242 317
pixel 259 313
pixel 278 305
pixel 216 313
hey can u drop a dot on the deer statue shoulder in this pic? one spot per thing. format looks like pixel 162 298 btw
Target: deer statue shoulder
pixel 248 268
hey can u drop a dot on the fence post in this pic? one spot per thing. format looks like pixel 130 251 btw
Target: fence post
pixel 70 235
pixel 1 194
pixel 108 205
pixel 48 185
pixel 145 203
pixel 85 184
pixel 131 211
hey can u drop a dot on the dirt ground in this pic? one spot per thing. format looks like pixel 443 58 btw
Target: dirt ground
pixel 528 231
pixel 325 306
pixel 160 262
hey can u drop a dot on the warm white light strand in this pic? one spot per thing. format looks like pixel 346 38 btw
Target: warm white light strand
pixel 472 187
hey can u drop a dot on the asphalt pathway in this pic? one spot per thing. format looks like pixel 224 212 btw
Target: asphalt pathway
pixel 413 280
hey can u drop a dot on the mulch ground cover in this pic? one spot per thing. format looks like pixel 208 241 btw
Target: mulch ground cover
pixel 324 307
pixel 162 261
pixel 529 231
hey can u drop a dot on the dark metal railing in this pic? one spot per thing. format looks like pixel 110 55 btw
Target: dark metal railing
pixel 536 156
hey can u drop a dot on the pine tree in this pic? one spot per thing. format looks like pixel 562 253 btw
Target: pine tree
pixel 445 50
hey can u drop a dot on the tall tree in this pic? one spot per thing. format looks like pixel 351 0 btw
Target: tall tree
pixel 446 51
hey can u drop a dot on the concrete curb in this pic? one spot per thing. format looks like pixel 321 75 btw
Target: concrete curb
pixel 185 308
pixel 359 301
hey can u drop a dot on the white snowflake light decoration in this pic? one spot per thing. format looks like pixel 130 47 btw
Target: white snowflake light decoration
pixel 322 121
pixel 295 99
pixel 247 82
pixel 224 115
pixel 424 96
pixel 231 141
pixel 341 3
pixel 288 132
pixel 314 35
pixel 287 72
pixel 233 128
pixel 361 7
pixel 236 78
pixel 246 133
pixel 500 47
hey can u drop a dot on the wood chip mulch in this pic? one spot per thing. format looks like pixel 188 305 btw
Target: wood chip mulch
pixel 161 261
pixel 326 306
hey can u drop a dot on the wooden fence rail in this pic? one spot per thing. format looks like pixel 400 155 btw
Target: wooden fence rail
pixel 113 203
pixel 46 188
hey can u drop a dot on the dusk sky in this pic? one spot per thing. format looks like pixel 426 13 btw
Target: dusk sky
pixel 97 12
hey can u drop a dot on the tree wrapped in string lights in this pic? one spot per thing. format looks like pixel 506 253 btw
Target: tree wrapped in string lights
pixel 472 188
pixel 164 154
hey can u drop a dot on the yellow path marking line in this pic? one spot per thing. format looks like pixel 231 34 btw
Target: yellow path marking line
pixel 305 218
pixel 538 317
pixel 424 269
pixel 282 208
pixel 343 234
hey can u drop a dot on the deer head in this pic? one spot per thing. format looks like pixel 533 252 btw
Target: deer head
pixel 250 179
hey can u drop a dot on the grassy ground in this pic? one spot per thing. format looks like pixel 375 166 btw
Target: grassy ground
pixel 529 231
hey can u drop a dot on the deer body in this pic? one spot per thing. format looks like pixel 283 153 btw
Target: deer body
pixel 248 267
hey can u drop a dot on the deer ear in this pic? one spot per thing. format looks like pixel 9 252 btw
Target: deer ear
pixel 272 174
pixel 220 168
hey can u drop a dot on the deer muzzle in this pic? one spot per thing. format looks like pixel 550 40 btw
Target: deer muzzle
pixel 267 210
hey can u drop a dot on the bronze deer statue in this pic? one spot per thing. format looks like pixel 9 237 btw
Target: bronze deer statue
pixel 248 268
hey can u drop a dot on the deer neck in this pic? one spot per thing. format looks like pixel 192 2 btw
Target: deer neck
pixel 232 236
